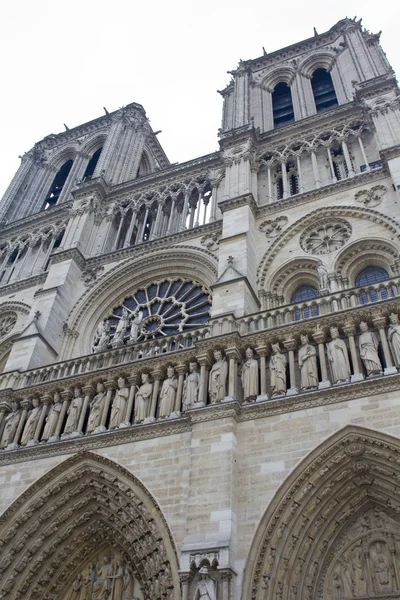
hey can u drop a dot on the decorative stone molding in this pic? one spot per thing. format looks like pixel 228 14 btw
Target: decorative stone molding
pixel 273 228
pixel 7 322
pixel 211 241
pixel 326 237
pixel 371 197
pixel 90 275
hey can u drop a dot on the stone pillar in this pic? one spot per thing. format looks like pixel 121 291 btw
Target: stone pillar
pixel 197 223
pixel 314 162
pixel 347 158
pixel 182 226
pixel 185 580
pixel 226 577
pixel 110 387
pixel 234 357
pixel 88 390
pixel 213 210
pixel 154 233
pixel 333 175
pixel 349 331
pixel 270 198
pixel 120 226
pixel 284 180
pixel 365 159
pixel 66 395
pixel 171 216
pixel 205 365
pixel 128 237
pixel 133 380
pixel 262 352
pixel 157 376
pixel 380 324
pixel 319 338
pixel 181 370
pixel 290 345
pixel 300 175
pixel 26 405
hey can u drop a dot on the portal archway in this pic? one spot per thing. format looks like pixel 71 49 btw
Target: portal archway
pixel 86 509
pixel 333 528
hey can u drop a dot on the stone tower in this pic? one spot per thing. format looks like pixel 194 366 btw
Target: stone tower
pixel 199 362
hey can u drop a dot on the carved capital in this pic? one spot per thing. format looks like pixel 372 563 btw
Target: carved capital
pixel 319 336
pixel 262 351
pixel 88 390
pixel 349 329
pixel 379 322
pixel 157 374
pixel 233 353
pixel 290 344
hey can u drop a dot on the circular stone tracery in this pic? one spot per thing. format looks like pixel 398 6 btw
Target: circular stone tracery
pixel 7 322
pixel 325 237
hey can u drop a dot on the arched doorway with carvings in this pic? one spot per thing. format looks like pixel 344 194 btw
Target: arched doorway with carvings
pixel 87 530
pixel 332 530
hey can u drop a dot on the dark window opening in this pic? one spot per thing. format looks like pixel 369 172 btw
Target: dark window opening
pixel 370 275
pixel 323 90
pixel 147 229
pixel 282 105
pixel 302 294
pixel 293 184
pixel 279 188
pixel 92 164
pixel 57 185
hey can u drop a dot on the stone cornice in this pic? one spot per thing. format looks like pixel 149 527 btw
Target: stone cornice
pixel 243 200
pixel 70 253
pixel 23 284
pixel 39 219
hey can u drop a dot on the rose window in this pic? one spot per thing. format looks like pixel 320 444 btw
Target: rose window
pixel 165 308
pixel 326 238
pixel 7 322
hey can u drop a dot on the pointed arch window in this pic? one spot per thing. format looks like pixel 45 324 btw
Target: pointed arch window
pixel 370 275
pixel 302 294
pixel 92 164
pixel 57 185
pixel 282 105
pixel 323 90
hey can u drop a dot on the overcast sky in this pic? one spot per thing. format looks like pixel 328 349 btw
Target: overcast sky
pixel 63 61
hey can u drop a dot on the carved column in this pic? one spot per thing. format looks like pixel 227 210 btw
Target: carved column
pixel 291 346
pixel 171 216
pixel 110 387
pixel 234 357
pixel 134 381
pixel 213 210
pixel 182 226
pixel 129 233
pixel 315 169
pixel 181 370
pixel 284 180
pixel 66 395
pixel 205 365
pixel 88 390
pixel 360 142
pixel 157 376
pixel 300 175
pixel 226 579
pixel 45 400
pixel 154 233
pixel 262 352
pixel 120 226
pixel 26 405
pixel 319 338
pixel 333 175
pixel 185 580
pixel 347 158
pixel 349 331
pixel 380 324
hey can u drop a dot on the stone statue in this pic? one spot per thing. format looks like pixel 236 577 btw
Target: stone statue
pixel 346 576
pixel 117 589
pixel 76 589
pixel 168 393
pixel 137 318
pixel 31 422
pixel 128 584
pixel 205 589
pixel 96 408
pixel 73 412
pixel 217 378
pixel 119 404
pixel 382 569
pixel 338 358
pixel 143 399
pixel 394 337
pixel 277 366
pixel 102 581
pixel 360 582
pixel 307 364
pixel 368 344
pixel 323 276
pixel 119 335
pixel 87 580
pixel 52 418
pixel 250 376
pixel 191 386
pixel 11 424
pixel 102 337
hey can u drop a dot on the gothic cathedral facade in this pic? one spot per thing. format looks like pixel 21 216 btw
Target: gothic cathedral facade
pixel 199 388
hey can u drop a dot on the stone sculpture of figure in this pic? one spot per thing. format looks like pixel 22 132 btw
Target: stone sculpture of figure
pixel 117 590
pixel 360 582
pixel 277 366
pixel 76 589
pixel 191 386
pixel 205 589
pixel 346 576
pixel 102 337
pixel 102 581
pixel 368 344
pixel 119 404
pixel 394 337
pixel 31 422
pixel 338 358
pixel 143 399
pixel 74 412
pixel 382 569
pixel 323 276
pixel 119 335
pixel 217 378
pixel 168 393
pixel 96 408
pixel 308 364
pixel 250 376
pixel 52 418
pixel 137 318
pixel 11 424
pixel 87 580
pixel 128 584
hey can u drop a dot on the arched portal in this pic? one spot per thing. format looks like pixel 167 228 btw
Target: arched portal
pixel 72 523
pixel 332 530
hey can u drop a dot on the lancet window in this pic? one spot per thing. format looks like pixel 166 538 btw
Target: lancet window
pixel 282 105
pixel 373 274
pixel 302 294
pixel 57 185
pixel 92 164
pixel 323 90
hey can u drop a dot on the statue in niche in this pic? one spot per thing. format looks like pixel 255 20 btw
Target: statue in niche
pixel 11 424
pixel 360 582
pixel 96 408
pixel 323 276
pixel 307 364
pixel 76 589
pixel 168 393
pixel 87 581
pixel 117 588
pixel 368 344
pixel 250 376
pixel 31 422
pixel 136 320
pixel 394 337
pixel 73 412
pixel 382 568
pixel 52 417
pixel 119 335
pixel 217 378
pixel 143 399
pixel 119 404
pixel 338 358
pixel 205 589
pixel 102 580
pixel 277 366
pixel 191 386
pixel 102 337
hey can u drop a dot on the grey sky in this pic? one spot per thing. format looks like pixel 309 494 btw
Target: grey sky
pixel 63 61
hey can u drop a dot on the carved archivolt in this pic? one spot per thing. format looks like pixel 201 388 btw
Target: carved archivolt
pixel 292 275
pixel 362 254
pixel 61 523
pixel 333 528
pixel 326 236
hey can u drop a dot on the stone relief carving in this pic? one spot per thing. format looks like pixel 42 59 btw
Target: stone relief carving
pixel 96 408
pixel 217 378
pixel 326 237
pixel 31 422
pixel 7 323
pixel 119 404
pixel 191 386
pixel 371 197
pixel 143 399
pixel 368 344
pixel 250 376
pixel 277 367
pixel 102 337
pixel 211 242
pixel 73 413
pixel 168 393
pixel 52 418
pixel 272 228
pixel 323 276
pixel 89 276
pixel 307 364
pixel 11 424
pixel 338 358
pixel 394 337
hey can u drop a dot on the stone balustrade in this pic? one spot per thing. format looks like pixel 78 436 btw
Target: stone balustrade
pixel 305 358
